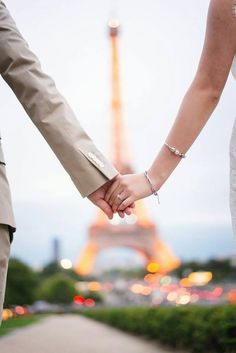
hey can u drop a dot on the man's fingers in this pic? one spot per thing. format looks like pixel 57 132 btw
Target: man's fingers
pixel 121 214
pixel 111 190
pixel 106 208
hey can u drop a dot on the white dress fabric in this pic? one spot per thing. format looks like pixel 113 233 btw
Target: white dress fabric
pixel 232 151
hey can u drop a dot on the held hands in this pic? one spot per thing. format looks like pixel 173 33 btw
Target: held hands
pixel 125 190
pixel 119 194
pixel 98 199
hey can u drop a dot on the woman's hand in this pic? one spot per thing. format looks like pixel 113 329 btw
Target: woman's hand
pixel 98 199
pixel 126 189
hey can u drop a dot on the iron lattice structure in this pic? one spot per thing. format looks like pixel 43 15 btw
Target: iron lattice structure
pixel 138 231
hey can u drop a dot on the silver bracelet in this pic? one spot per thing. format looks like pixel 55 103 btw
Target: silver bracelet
pixel 151 185
pixel 175 151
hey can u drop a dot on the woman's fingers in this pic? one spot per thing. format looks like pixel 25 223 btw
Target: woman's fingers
pixel 111 190
pixel 115 196
pixel 127 202
pixel 120 197
pixel 128 211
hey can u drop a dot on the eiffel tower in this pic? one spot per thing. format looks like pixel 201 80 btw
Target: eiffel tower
pixel 137 231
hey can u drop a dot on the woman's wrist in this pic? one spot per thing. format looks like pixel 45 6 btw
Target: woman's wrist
pixel 145 190
pixel 155 178
pixel 152 188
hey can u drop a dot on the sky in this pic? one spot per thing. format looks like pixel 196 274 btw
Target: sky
pixel 160 45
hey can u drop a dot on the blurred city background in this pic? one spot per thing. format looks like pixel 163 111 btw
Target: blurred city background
pixel 125 79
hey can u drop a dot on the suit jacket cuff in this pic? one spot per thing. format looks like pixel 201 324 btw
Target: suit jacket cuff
pixel 92 176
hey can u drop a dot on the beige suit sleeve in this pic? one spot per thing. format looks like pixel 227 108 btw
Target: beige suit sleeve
pixel 49 110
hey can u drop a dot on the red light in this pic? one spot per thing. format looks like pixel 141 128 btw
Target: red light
pixel 232 296
pixel 89 303
pixel 218 291
pixel 19 310
pixel 79 300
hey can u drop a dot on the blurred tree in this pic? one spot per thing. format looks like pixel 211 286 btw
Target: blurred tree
pixel 96 296
pixel 54 268
pixel 58 289
pixel 50 269
pixel 21 283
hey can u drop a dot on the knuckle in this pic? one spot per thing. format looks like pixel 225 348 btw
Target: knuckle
pixel 124 202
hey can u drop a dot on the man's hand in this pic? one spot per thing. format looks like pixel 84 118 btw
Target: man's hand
pixel 98 199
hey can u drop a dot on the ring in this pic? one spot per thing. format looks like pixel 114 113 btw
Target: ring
pixel 118 196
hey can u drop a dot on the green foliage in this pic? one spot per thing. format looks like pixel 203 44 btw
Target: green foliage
pixel 58 289
pixel 54 268
pixel 50 269
pixel 96 296
pixel 21 284
pixel 53 284
pixel 199 329
pixel 17 322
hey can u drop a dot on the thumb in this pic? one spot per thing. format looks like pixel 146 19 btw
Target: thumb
pixel 105 207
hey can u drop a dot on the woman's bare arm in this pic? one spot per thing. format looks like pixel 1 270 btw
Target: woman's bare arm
pixel 196 108
pixel 205 90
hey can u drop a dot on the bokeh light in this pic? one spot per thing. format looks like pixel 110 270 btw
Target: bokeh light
pixel 89 302
pixel 152 267
pixel 94 286
pixel 78 299
pixel 136 288
pixel 20 310
pixel 66 264
pixel 7 314
pixel 200 278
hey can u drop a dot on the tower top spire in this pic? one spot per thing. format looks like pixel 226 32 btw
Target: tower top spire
pixel 113 26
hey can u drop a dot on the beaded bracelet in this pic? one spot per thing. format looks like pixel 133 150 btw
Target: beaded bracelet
pixel 175 151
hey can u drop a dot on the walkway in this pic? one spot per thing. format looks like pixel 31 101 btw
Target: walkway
pixel 74 334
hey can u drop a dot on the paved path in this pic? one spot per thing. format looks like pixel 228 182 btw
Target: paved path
pixel 74 334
